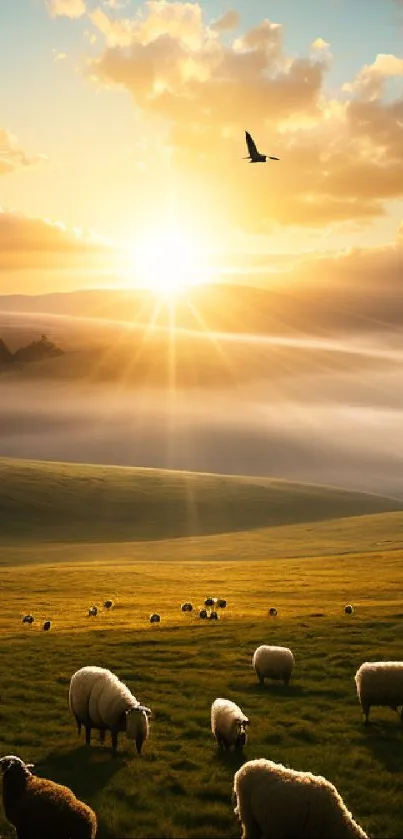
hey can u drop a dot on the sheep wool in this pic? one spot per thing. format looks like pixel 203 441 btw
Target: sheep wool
pixel 37 807
pixel 98 699
pixel 273 802
pixel 273 663
pixel 380 683
pixel 228 724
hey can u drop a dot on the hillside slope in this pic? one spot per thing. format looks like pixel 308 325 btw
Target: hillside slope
pixel 74 502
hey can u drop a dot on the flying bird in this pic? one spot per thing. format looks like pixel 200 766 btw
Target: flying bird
pixel 254 156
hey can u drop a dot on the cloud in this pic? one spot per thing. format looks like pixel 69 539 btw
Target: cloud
pixel 66 8
pixel 27 242
pixel 230 20
pixel 341 158
pixel 12 157
pixel 370 80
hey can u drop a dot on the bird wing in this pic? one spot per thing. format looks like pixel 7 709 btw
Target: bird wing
pixel 251 145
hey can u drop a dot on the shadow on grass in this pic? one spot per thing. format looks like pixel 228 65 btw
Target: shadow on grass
pixel 90 768
pixel 232 760
pixel 271 689
pixel 384 739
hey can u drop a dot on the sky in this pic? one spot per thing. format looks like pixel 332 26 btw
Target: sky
pixel 122 132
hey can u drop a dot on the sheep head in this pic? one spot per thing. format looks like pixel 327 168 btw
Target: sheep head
pixel 14 764
pixel 137 724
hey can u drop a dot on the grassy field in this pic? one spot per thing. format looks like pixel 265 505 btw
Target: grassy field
pixel 180 788
pixel 67 502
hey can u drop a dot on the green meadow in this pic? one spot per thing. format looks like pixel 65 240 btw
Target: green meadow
pixel 74 536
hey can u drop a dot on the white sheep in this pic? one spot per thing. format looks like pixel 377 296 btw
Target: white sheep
pixel 273 663
pixel 380 683
pixel 228 724
pixel 98 699
pixel 274 802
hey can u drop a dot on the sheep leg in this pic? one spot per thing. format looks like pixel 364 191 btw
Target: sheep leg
pixel 102 733
pixel 87 734
pixel 114 742
pixel 251 829
pixel 365 710
pixel 260 677
pixel 286 680
pixel 78 723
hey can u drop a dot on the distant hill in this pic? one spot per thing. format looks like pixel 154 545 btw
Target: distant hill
pixel 67 502
pixel 303 308
pixel 34 351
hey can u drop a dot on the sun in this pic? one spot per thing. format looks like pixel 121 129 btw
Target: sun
pixel 168 261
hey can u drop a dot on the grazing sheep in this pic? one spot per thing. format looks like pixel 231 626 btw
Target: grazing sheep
pixel 108 604
pixel 92 613
pixel 187 607
pixel 154 618
pixel 228 724
pixel 349 609
pixel 213 616
pixel 209 601
pixel 380 683
pixel 273 663
pixel 37 807
pixel 273 612
pixel 221 604
pixel 273 802
pixel 28 619
pixel 203 614
pixel 98 699
pixel 47 625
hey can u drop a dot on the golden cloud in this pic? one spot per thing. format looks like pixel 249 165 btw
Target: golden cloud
pixel 66 8
pixel 230 20
pixel 27 242
pixel 12 157
pixel 340 159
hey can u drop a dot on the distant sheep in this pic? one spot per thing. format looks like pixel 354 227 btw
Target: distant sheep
pixel 221 604
pixel 108 604
pixel 380 683
pixel 213 616
pixel 203 614
pixel 187 607
pixel 349 609
pixel 98 699
pixel 92 613
pixel 154 618
pixel 273 801
pixel 37 807
pixel 28 619
pixel 209 601
pixel 47 626
pixel 273 612
pixel 228 724
pixel 273 663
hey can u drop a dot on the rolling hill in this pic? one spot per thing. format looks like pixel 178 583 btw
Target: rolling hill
pixel 55 502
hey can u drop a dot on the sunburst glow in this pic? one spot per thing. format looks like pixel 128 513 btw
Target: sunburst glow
pixel 169 261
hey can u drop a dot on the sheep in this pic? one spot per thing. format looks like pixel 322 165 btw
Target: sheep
pixel 209 601
pixel 221 603
pixel 98 699
pixel 213 616
pixel 187 607
pixel 28 619
pixel 228 724
pixel 47 625
pixel 203 614
pixel 154 618
pixel 39 807
pixel 92 613
pixel 273 612
pixel 380 683
pixel 108 604
pixel 274 802
pixel 273 663
pixel 349 609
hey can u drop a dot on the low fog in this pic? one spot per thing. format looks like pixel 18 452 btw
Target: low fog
pixel 336 418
